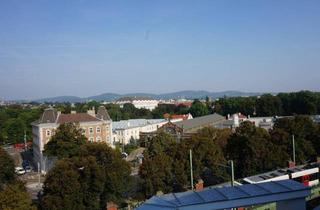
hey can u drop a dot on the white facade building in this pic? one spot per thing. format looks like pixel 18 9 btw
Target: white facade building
pixel 138 102
pixel 125 130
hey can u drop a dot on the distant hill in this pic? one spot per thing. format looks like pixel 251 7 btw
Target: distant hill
pixel 187 94
pixel 60 99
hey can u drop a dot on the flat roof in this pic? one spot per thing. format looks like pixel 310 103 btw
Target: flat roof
pixel 133 123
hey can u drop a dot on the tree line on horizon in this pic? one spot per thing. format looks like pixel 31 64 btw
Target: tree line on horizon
pixel 15 119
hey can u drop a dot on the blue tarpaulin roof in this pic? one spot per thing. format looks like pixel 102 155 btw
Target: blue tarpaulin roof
pixel 219 198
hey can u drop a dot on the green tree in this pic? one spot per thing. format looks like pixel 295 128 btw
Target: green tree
pixel 13 196
pixel 306 136
pixel 252 151
pixel 269 105
pixel 65 142
pixel 198 109
pixel 117 172
pixel 74 183
pixel 7 167
pixel 166 165
pixel 14 130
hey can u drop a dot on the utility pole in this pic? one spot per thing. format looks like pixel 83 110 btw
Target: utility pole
pixel 25 141
pixel 191 169
pixel 232 173
pixel 293 150
pixel 39 178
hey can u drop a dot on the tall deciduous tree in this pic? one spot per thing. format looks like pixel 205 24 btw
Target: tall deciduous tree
pixel 198 109
pixel 252 151
pixel 65 142
pixel 74 183
pixel 6 167
pixel 13 196
pixel 166 165
pixel 116 170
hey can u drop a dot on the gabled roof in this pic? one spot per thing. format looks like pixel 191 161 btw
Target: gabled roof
pixel 77 117
pixel 228 197
pixel 103 113
pixel 201 121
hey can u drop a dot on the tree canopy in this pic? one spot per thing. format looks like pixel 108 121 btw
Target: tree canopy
pixel 65 142
pixel 13 195
pixel 166 163
pixel 96 172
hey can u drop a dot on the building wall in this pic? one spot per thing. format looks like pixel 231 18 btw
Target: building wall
pixel 125 135
pixel 42 133
pixel 146 104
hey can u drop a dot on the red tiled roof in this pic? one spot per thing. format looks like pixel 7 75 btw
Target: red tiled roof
pixel 185 103
pixel 78 117
pixel 179 116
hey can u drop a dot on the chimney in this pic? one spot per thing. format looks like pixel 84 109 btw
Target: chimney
pixel 91 112
pixel 112 206
pixel 73 112
pixel 291 164
pixel 199 185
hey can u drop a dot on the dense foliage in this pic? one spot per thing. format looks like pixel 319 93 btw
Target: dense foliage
pixel 13 194
pixel 86 176
pixel 166 165
pixel 282 104
pixel 254 150
pixel 65 142
pixel 15 120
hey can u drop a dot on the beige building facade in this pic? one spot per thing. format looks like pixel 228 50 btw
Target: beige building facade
pixel 97 127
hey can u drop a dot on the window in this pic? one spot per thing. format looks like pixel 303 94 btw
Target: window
pixel 48 132
pixel 98 139
pixel 91 130
pixel 83 130
pixel 98 130
pixel 91 139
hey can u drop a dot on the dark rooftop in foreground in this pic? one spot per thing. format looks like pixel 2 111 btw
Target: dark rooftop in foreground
pixel 228 197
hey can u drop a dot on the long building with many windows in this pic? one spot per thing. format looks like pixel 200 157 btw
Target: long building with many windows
pixel 97 127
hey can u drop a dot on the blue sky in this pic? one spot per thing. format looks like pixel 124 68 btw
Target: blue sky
pixel 88 47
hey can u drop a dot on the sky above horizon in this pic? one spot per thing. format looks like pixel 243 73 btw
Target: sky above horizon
pixel 88 47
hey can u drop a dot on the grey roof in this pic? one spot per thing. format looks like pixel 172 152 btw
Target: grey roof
pixel 103 113
pixel 275 173
pixel 49 116
pixel 126 124
pixel 213 198
pixel 201 121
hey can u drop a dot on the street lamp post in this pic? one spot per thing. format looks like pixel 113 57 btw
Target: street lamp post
pixel 293 150
pixel 191 169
